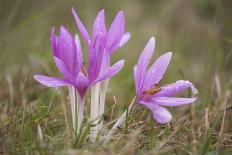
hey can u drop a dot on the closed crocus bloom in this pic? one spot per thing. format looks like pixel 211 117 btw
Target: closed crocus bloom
pixel 101 45
pixel 150 94
pixel 68 59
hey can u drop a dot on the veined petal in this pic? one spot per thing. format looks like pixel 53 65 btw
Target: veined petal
pixel 50 81
pixel 160 114
pixel 99 24
pixel 98 56
pixel 113 70
pixel 175 88
pixel 173 101
pixel 143 62
pixel 63 69
pixel 157 70
pixel 125 38
pixel 81 27
pixel 115 32
pixel 92 63
pixel 67 48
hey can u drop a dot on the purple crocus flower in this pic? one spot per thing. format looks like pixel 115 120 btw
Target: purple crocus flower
pixel 149 93
pixel 102 44
pixel 68 59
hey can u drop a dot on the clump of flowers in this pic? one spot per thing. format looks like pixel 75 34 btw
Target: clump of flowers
pixel 101 45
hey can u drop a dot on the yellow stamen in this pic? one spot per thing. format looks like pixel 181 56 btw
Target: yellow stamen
pixel 153 90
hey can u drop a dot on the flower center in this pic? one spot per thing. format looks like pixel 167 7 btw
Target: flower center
pixel 153 90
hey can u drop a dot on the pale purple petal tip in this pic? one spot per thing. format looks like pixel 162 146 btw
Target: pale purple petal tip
pixel 50 81
pixel 175 88
pixel 79 51
pixel 125 38
pixel 99 24
pixel 161 115
pixel 54 42
pixel 143 62
pixel 116 32
pixel 81 27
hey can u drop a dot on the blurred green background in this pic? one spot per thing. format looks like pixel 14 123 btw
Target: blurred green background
pixel 198 32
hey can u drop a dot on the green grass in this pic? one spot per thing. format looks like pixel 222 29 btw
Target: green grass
pixel 35 119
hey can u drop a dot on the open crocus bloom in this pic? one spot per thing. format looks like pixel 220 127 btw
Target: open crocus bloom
pixel 147 91
pixel 68 59
pixel 102 44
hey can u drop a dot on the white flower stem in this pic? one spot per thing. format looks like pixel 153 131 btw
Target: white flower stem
pixel 73 104
pixel 120 121
pixel 94 111
pixel 103 89
pixel 80 113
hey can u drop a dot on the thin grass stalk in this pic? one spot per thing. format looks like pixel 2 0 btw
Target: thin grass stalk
pixel 119 122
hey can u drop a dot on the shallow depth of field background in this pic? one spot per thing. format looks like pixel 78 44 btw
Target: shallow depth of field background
pixel 197 32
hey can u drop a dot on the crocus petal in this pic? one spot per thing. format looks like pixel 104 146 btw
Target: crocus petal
pixel 54 43
pixel 99 24
pixel 67 49
pixel 115 32
pixel 173 101
pixel 82 80
pixel 157 70
pixel 125 38
pixel 113 70
pixel 63 68
pixel 81 27
pixel 161 115
pixel 105 64
pixel 143 62
pixel 136 78
pixel 50 81
pixel 175 88
pixel 96 53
